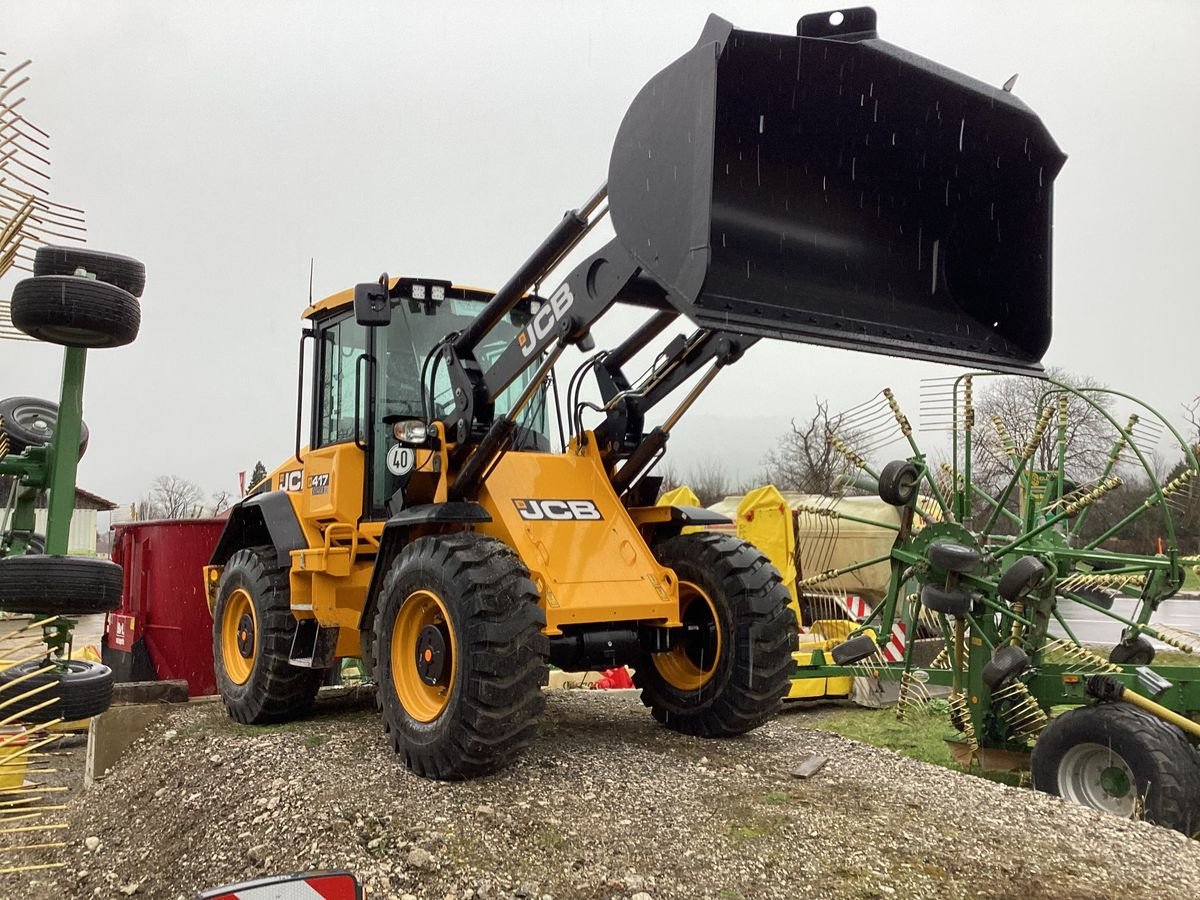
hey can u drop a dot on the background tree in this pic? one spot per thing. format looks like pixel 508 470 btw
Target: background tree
pixel 804 461
pixel 710 482
pixel 1090 436
pixel 221 501
pixel 173 497
pixel 257 475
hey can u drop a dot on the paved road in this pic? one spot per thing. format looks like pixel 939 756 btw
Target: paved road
pixel 1094 628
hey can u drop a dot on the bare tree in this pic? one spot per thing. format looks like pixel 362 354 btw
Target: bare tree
pixel 709 482
pixel 172 497
pixel 221 501
pixel 805 460
pixel 1017 403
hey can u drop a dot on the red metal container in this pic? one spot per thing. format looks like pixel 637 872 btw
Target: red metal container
pixel 163 629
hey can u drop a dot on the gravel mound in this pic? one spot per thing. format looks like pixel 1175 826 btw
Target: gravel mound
pixel 606 804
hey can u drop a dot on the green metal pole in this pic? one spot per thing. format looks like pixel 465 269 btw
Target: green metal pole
pixel 64 452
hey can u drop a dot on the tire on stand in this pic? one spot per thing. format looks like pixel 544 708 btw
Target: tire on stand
pixel 121 271
pixel 59 585
pixel 30 422
pixel 1116 758
pixel 460 657
pixel 75 312
pixel 80 690
pixel 253 627
pixel 730 669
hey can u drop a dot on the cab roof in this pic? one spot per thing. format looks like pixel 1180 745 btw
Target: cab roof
pixel 345 298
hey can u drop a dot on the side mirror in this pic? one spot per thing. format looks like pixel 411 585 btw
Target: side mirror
pixel 330 885
pixel 371 306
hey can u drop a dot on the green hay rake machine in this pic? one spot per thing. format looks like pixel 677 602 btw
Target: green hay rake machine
pixel 79 299
pixel 1001 567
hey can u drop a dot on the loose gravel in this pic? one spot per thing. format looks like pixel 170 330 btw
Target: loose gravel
pixel 606 804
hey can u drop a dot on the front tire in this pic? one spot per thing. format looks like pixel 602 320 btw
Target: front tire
pixel 729 670
pixel 459 655
pixel 253 627
pixel 1116 758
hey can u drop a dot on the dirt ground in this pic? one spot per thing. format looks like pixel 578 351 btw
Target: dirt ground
pixel 606 804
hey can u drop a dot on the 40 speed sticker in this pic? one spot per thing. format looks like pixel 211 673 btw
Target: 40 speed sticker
pixel 401 459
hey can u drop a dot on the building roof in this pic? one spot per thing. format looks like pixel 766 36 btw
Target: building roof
pixel 88 500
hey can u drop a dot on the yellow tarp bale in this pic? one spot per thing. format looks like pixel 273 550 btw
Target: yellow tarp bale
pixel 764 518
pixel 680 496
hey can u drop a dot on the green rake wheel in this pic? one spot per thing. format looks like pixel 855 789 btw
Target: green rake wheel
pixel 999 539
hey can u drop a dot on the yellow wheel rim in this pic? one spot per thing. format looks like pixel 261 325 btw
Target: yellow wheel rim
pixel 691 663
pixel 239 636
pixel 424 656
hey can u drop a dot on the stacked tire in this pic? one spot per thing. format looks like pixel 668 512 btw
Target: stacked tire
pixel 89 300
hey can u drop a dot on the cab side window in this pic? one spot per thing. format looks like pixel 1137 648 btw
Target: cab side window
pixel 341 344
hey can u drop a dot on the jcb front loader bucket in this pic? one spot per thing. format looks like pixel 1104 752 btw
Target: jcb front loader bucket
pixel 836 189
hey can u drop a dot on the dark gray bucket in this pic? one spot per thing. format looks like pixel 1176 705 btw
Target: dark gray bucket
pixel 836 189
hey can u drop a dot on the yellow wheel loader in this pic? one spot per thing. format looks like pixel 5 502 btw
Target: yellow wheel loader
pixel 826 187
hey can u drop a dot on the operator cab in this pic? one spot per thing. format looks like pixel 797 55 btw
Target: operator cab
pixel 369 376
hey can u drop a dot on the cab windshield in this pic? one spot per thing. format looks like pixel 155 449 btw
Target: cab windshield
pixel 416 326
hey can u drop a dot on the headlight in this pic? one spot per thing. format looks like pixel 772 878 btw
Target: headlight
pixel 410 431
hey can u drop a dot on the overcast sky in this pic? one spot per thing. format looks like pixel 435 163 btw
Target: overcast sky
pixel 226 144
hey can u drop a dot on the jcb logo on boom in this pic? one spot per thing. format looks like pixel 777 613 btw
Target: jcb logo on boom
pixel 558 510
pixel 544 320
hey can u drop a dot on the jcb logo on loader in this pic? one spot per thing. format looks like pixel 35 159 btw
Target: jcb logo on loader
pixel 557 510
pixel 292 481
pixel 544 320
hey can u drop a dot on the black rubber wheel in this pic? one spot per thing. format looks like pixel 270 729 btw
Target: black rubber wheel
pixel 122 271
pixel 853 650
pixel 75 312
pixel 1138 652
pixel 730 669
pixel 59 585
pixel 898 482
pixel 1006 662
pixel 1099 596
pixel 1116 758
pixel 951 557
pixel 952 603
pixel 35 544
pixel 1022 577
pixel 30 422
pixel 460 657
pixel 253 627
pixel 82 690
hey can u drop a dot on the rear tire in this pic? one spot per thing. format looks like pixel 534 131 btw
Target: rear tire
pixel 75 312
pixel 84 689
pixel 459 655
pixel 1118 759
pixel 253 627
pixel 734 678
pixel 122 271
pixel 59 585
